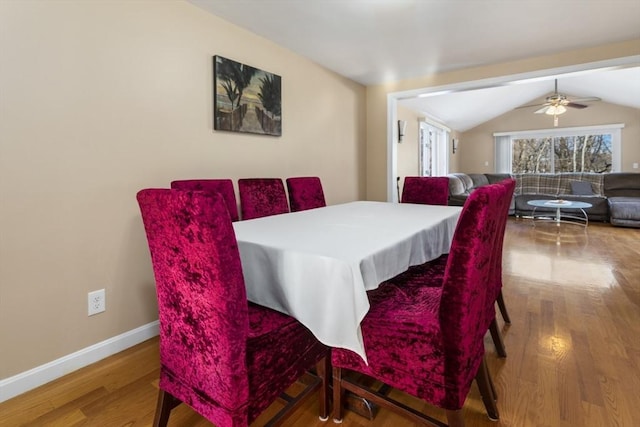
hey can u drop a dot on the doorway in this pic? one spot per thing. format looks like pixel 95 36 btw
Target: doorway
pixel 434 159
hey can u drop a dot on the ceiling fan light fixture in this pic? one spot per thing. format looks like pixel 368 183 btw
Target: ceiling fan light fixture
pixel 555 110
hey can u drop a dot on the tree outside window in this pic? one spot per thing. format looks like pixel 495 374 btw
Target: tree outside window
pixel 584 153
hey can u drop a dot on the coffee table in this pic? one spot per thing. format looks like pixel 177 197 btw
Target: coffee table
pixel 569 217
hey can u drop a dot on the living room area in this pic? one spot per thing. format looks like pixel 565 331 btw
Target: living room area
pixel 557 270
pixel 587 132
pixel 476 115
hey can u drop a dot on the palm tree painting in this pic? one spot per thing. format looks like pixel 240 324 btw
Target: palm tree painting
pixel 246 99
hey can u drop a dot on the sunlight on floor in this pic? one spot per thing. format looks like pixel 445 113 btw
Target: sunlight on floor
pixel 569 263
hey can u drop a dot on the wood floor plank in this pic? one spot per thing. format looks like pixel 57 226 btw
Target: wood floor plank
pixel 573 294
pixel 70 413
pixel 618 413
pixel 529 366
pixel 116 397
pixel 25 408
pixel 554 390
pixel 586 370
pixel 594 415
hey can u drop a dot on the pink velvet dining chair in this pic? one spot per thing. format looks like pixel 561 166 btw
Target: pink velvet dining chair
pixel 226 358
pixel 260 197
pixel 423 333
pixel 426 190
pixel 436 268
pixel 222 186
pixel 305 192
pixel 496 276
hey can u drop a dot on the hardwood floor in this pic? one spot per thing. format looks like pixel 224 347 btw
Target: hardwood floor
pixel 573 348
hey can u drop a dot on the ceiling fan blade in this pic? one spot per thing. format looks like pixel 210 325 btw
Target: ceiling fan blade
pixel 542 110
pixel 532 105
pixel 588 99
pixel 575 105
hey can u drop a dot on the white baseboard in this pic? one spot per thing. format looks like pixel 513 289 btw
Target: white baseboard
pixel 25 381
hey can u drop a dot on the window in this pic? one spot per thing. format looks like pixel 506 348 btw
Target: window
pixel 434 158
pixel 592 149
pixel 586 153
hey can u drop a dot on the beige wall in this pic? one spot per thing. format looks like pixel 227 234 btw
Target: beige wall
pixel 376 166
pixel 101 99
pixel 477 144
pixel 455 158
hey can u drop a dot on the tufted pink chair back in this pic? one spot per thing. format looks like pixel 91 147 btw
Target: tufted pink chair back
pixel 426 190
pixel 222 186
pixel 260 197
pixel 305 193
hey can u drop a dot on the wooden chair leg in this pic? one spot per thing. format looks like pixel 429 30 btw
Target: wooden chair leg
pixel 488 397
pixel 503 308
pixel 337 395
pixel 166 402
pixel 497 338
pixel 454 418
pixel 323 369
pixel 490 380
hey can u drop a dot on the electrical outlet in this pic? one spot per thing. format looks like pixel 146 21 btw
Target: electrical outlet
pixel 96 301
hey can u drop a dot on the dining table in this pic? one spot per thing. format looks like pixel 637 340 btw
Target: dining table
pixel 317 265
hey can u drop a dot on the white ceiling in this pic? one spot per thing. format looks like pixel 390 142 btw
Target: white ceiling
pixel 466 109
pixel 373 41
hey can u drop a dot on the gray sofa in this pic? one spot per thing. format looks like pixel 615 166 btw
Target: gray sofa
pixel 623 197
pixel 461 185
pixel 615 197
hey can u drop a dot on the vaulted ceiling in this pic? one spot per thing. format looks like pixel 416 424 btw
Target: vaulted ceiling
pixel 373 41
pixel 466 109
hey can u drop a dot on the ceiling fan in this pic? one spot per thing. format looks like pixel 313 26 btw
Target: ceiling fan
pixel 557 104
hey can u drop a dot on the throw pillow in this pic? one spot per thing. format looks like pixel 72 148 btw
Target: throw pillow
pixel 581 188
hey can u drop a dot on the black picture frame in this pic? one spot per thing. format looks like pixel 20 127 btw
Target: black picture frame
pixel 246 99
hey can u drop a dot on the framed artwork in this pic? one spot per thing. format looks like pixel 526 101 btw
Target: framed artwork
pixel 245 98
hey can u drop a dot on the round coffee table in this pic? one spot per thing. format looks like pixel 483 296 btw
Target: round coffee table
pixel 559 205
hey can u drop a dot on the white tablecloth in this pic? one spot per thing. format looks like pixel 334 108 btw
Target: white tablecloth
pixel 317 265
